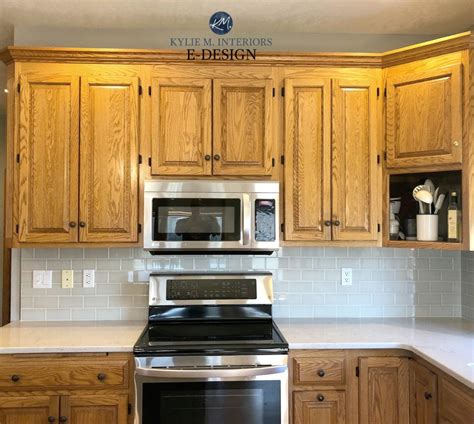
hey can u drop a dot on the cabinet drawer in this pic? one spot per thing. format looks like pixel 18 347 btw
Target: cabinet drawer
pixel 317 370
pixel 36 372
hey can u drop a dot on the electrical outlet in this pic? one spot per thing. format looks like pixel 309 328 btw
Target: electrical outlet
pixel 67 280
pixel 88 278
pixel 346 276
pixel 42 279
pixel 130 276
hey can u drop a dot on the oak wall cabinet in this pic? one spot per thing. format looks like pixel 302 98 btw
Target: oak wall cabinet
pixel 77 158
pixel 212 126
pixel 332 171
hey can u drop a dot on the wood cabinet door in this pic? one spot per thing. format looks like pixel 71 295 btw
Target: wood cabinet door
pixel 456 403
pixel 29 409
pixel 355 185
pixel 48 158
pixel 325 407
pixel 423 395
pixel 383 391
pixel 424 116
pixel 308 159
pixel 181 126
pixel 243 141
pixel 95 409
pixel 109 159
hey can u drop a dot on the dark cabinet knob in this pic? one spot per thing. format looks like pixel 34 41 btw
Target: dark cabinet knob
pixel 51 419
pixel 428 395
pixel 217 157
pixel 320 397
pixel 327 223
pixel 207 157
pixel 337 223
pixel 82 224
pixel 321 373
pixel 62 419
pixel 72 224
pixel 101 377
pixel 15 378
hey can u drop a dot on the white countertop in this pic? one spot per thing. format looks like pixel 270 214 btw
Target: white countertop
pixel 445 342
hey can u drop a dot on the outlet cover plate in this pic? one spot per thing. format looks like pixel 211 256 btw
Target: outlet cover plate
pixel 346 276
pixel 88 278
pixel 67 279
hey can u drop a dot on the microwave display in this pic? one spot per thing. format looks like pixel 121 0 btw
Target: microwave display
pixel 186 219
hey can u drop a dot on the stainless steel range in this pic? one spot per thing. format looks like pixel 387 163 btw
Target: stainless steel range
pixel 211 352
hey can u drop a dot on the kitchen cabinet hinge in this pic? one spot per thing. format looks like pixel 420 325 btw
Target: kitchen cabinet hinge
pixel 378 92
pixel 140 159
pixel 18 87
pixel 139 228
pixel 17 228
pixel 149 162
pixel 129 409
pixel 273 162
pixel 282 159
pixel 385 155
pixel 357 371
pixel 378 159
pixel 378 228
pixel 273 92
pixel 282 227
pixel 282 91
pixel 18 158
pixel 385 92
pixel 149 90
pixel 140 90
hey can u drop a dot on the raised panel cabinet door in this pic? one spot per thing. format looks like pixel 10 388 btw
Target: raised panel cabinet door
pixel 95 409
pixel 181 126
pixel 243 141
pixel 383 391
pixel 308 159
pixel 109 159
pixel 424 117
pixel 456 403
pixel 48 158
pixel 423 395
pixel 355 188
pixel 29 409
pixel 324 407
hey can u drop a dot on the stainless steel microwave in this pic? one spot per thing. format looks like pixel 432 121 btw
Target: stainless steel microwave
pixel 204 216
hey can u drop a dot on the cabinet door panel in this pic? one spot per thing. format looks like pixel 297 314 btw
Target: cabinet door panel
pixel 355 189
pixel 383 391
pixel 48 146
pixel 308 159
pixel 181 126
pixel 28 410
pixel 456 404
pixel 424 397
pixel 325 407
pixel 242 127
pixel 95 409
pixel 424 117
pixel 109 159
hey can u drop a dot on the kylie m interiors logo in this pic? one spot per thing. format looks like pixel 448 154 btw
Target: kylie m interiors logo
pixel 221 47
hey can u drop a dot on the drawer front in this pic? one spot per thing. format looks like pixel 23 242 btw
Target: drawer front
pixel 34 372
pixel 316 370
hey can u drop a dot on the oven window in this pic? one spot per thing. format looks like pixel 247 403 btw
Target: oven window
pixel 196 219
pixel 235 402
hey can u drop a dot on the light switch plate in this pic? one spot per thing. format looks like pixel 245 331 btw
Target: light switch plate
pixel 67 279
pixel 42 279
pixel 88 278
pixel 346 276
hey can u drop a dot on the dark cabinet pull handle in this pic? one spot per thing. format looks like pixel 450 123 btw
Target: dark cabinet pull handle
pixel 15 378
pixel 207 157
pixel 217 157
pixel 51 419
pixel 321 373
pixel 320 398
pixel 62 419
pixel 101 377
pixel 337 223
pixel 428 395
pixel 82 224
pixel 327 223
pixel 72 224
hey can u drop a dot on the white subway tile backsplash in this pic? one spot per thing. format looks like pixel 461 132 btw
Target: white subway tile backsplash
pixel 307 282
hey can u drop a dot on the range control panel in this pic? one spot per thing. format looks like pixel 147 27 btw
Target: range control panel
pixel 211 289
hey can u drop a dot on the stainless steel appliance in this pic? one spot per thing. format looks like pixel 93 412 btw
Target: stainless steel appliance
pixel 202 216
pixel 211 352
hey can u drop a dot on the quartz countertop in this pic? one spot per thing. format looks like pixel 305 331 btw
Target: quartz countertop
pixel 447 343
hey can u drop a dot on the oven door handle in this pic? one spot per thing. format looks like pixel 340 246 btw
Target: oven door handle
pixel 210 372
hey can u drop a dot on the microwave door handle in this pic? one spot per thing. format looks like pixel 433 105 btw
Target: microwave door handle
pixel 246 219
pixel 210 372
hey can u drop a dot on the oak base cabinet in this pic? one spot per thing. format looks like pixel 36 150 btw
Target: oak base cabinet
pixel 28 409
pixel 424 395
pixel 456 404
pixel 324 407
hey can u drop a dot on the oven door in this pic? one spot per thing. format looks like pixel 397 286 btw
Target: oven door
pixel 191 221
pixel 212 394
